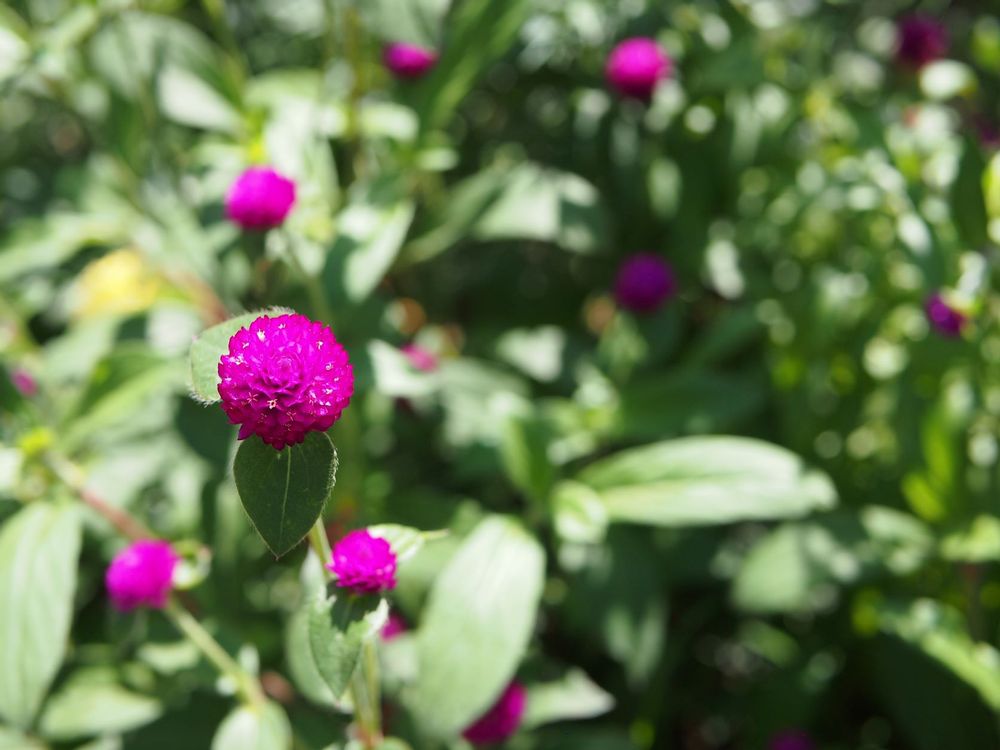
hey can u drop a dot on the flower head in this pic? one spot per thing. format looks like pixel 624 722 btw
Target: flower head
pixel 408 60
pixel 259 199
pixel 24 382
pixel 420 358
pixel 920 40
pixel 945 319
pixel 502 720
pixel 394 626
pixel 636 66
pixel 791 739
pixel 644 281
pixel 141 575
pixel 283 377
pixel 363 563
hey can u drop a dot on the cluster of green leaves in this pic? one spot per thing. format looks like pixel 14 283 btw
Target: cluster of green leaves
pixel 828 565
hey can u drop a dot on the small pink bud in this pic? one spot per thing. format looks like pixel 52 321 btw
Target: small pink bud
pixel 24 382
pixel 284 377
pixel 408 61
pixel 636 66
pixel 363 563
pixel 502 720
pixel 420 358
pixel 944 318
pixel 395 626
pixel 920 40
pixel 141 575
pixel 260 199
pixel 644 282
pixel 791 739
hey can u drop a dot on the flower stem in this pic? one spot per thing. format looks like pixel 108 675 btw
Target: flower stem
pixel 246 683
pixel 320 544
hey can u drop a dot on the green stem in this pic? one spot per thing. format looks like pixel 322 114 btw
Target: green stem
pixel 246 683
pixel 319 542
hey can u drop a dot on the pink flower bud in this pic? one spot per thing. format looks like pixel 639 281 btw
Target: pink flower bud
pixel 636 66
pixel 502 720
pixel 920 40
pixel 141 575
pixel 408 61
pixel 395 626
pixel 363 563
pixel 944 318
pixel 24 382
pixel 791 739
pixel 259 199
pixel 644 282
pixel 420 358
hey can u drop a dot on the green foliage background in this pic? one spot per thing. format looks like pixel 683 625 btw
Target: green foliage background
pixel 772 505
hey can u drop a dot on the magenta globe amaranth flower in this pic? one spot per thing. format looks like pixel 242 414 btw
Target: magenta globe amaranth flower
pixel 394 627
pixel 141 575
pixel 408 60
pixel 260 199
pixel 791 739
pixel 24 382
pixel 636 66
pixel 644 282
pixel 363 563
pixel 920 40
pixel 503 718
pixel 943 317
pixel 420 358
pixel 284 377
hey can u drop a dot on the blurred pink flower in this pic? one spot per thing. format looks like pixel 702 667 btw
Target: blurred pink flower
pixel 636 66
pixel 420 358
pixel 644 282
pixel 259 199
pixel 394 626
pixel 141 575
pixel 408 60
pixel 503 718
pixel 944 318
pixel 284 377
pixel 363 563
pixel 791 739
pixel 24 382
pixel 920 40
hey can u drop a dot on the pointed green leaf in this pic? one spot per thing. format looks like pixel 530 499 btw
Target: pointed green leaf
pixel 252 728
pixel 575 696
pixel 90 704
pixel 476 625
pixel 209 347
pixel 404 540
pixel 38 564
pixel 284 491
pixel 339 625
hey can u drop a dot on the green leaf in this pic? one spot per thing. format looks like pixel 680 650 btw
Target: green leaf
pixel 339 626
pixel 395 376
pixel 476 625
pixel 86 706
pixel 283 492
pixel 940 632
pixel 404 540
pixel 11 739
pixel 575 696
pixel 39 547
pixel 976 541
pixel 414 21
pixel 706 481
pixel 253 728
pixel 301 665
pixel 579 514
pixel 968 202
pixel 208 348
pixel 370 232
pixel 524 447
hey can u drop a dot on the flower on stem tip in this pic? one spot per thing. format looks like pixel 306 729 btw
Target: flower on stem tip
pixel 644 282
pixel 636 66
pixel 943 317
pixel 502 720
pixel 920 40
pixel 408 60
pixel 141 575
pixel 260 198
pixel 363 563
pixel 284 377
